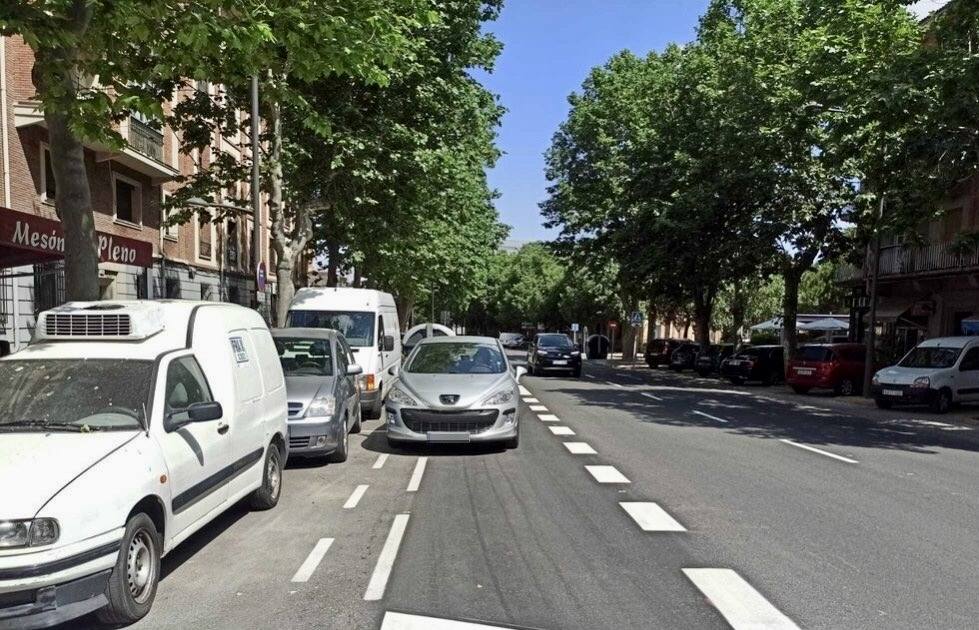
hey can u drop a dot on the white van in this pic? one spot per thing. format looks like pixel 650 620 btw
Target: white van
pixel 937 372
pixel 369 321
pixel 124 428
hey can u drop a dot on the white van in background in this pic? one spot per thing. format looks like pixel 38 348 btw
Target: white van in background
pixel 368 320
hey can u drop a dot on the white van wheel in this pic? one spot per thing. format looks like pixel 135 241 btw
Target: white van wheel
pixel 267 495
pixel 132 584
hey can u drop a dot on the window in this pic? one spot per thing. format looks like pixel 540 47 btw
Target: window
pixel 357 327
pixel 231 247
pixel 170 231
pixel 48 190
pixel 205 292
pixel 126 199
pixel 186 385
pixel 970 362
pixel 173 288
pixel 204 238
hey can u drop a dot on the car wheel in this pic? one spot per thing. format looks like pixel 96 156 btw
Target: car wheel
pixel 942 402
pixel 577 372
pixel 133 581
pixel 845 388
pixel 357 426
pixel 883 404
pixel 343 446
pixel 800 389
pixel 267 495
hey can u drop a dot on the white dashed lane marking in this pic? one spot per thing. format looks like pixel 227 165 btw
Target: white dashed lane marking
pixel 648 395
pixel 739 603
pixel 524 391
pixel 710 417
pixel 561 430
pixel 651 517
pixel 530 400
pixel 820 451
pixel 548 417
pixel 380 461
pixel 385 562
pixel 614 384
pixel 355 497
pixel 579 448
pixel 312 560
pixel 416 475
pixel 402 621
pixel 607 474
pixel 538 408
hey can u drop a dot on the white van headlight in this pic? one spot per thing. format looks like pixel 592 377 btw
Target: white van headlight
pixel 29 533
pixel 400 397
pixel 501 397
pixel 322 406
pixel 922 382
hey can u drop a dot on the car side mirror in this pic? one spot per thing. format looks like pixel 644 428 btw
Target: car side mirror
pixel 393 370
pixel 519 372
pixel 205 411
pixel 388 344
pixel 354 369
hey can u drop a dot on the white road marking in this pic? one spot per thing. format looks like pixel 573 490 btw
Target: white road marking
pixel 820 451
pixel 524 391
pixel 648 395
pixel 530 399
pixel 312 560
pixel 739 603
pixel 579 448
pixel 651 517
pixel 607 474
pixel 402 621
pixel 548 417
pixel 590 376
pixel 355 497
pixel 385 562
pixel 538 408
pixel 416 476
pixel 380 461
pixel 707 415
pixel 615 384
pixel 561 430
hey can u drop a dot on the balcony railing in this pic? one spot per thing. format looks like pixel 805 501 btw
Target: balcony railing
pixel 145 139
pixel 899 260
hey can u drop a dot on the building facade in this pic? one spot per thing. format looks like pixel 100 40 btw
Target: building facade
pixel 142 256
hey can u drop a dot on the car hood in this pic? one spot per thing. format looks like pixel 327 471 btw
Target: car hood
pixel 895 375
pixel 35 466
pixel 304 388
pixel 472 389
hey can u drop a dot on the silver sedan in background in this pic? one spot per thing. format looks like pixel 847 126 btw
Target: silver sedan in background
pixel 456 389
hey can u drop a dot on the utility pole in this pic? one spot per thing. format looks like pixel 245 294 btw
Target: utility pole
pixel 256 191
pixel 871 340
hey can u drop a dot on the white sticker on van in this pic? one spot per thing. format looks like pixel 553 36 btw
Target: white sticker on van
pixel 238 346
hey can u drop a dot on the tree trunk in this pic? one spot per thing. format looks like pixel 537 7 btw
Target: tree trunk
pixel 790 311
pixel 703 309
pixel 358 276
pixel 287 290
pixel 333 259
pixel 738 308
pixel 686 328
pixel 54 77
pixel 628 341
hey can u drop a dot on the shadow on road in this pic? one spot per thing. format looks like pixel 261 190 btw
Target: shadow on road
pixel 377 442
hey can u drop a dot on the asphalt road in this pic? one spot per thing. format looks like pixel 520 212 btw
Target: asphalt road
pixel 705 506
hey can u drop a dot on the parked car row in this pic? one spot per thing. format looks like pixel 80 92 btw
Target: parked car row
pixel 127 426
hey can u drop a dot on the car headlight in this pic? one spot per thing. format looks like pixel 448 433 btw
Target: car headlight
pixel 576 353
pixel 501 397
pixel 400 397
pixel 922 382
pixel 322 406
pixel 875 381
pixel 29 533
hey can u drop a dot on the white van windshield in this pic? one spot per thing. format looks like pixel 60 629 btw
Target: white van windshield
pixel 357 326
pixel 73 394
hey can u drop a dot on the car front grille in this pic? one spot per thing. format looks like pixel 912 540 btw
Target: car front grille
pixel 432 421
pixel 295 408
pixel 299 442
pixel 87 325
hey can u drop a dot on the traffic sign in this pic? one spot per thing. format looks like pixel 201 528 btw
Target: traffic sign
pixel 261 277
pixel 636 319
pixel 574 328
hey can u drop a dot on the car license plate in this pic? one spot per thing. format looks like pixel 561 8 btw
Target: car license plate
pixel 447 436
pixel 804 371
pixel 893 392
pixel 561 362
pixel 734 362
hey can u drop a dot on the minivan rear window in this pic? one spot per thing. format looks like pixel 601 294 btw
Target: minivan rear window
pixel 814 353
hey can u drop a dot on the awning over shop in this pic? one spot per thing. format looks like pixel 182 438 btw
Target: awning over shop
pixel 826 324
pixel 27 239
pixel 774 323
pixel 891 311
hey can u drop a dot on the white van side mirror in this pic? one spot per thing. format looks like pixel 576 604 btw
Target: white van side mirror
pixel 354 369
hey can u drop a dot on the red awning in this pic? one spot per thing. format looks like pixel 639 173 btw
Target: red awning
pixel 27 239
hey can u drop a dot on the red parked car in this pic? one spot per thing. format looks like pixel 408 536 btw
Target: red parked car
pixel 836 366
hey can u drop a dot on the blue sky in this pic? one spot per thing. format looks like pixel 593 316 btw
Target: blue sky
pixel 549 47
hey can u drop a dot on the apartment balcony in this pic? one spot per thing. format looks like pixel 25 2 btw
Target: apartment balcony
pixel 143 153
pixel 908 261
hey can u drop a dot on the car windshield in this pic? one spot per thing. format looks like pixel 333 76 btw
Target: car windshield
pixel 357 326
pixel 457 358
pixel 305 357
pixel 922 357
pixel 73 394
pixel 554 341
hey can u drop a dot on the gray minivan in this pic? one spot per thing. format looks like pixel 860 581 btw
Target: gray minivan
pixel 322 389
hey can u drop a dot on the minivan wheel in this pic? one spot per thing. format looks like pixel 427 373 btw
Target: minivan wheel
pixel 340 454
pixel 942 401
pixel 356 425
pixel 133 581
pixel 844 388
pixel 267 495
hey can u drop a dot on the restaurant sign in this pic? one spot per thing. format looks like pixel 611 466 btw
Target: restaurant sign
pixel 30 233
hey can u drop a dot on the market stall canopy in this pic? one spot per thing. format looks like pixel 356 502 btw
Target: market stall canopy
pixel 774 323
pixel 827 323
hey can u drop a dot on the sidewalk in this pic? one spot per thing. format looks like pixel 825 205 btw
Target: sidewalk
pixel 962 418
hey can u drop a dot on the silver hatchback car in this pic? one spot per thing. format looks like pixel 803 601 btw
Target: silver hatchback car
pixel 322 389
pixel 456 389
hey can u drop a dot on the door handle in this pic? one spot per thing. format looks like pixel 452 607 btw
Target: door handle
pixel 223 428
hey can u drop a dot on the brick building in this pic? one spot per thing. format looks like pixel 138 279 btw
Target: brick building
pixel 141 256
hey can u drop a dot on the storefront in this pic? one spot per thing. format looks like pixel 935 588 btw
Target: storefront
pixel 32 272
